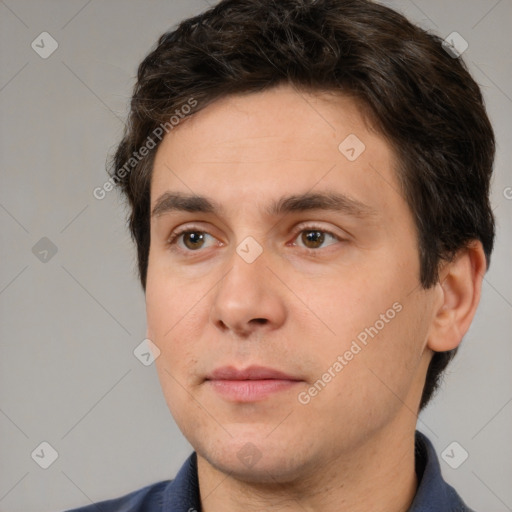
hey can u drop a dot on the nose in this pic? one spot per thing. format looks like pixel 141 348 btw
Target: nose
pixel 248 299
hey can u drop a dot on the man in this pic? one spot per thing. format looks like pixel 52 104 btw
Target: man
pixel 309 193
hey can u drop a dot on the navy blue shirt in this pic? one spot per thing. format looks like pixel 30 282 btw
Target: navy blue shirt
pixel 182 493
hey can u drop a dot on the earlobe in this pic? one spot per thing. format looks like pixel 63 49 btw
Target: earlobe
pixel 460 287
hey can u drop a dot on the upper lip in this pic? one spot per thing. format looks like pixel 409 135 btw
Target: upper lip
pixel 249 373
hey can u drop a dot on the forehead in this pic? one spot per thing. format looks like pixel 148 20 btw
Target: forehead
pixel 250 148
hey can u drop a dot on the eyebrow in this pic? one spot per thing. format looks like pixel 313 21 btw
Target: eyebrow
pixel 328 201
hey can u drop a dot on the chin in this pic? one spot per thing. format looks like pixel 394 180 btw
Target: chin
pixel 257 461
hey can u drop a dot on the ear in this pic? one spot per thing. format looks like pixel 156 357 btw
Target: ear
pixel 459 288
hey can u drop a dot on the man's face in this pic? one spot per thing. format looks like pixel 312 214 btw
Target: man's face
pixel 296 290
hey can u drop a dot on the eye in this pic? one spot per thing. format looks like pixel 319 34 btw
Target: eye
pixel 192 239
pixel 313 237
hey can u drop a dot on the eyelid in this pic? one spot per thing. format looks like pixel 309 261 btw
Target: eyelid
pixel 312 225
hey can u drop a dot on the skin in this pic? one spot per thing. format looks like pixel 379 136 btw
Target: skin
pixel 351 447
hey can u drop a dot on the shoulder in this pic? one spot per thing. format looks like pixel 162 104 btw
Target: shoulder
pixel 180 494
pixel 146 499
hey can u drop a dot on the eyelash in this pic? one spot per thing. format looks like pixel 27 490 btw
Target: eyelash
pixel 192 229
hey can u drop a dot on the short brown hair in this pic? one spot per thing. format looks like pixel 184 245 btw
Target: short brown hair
pixel 421 98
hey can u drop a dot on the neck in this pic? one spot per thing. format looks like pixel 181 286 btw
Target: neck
pixel 379 475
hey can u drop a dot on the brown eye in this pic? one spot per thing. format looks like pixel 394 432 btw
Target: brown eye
pixel 188 240
pixel 193 239
pixel 313 239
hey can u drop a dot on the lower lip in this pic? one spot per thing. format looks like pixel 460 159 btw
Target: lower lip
pixel 250 390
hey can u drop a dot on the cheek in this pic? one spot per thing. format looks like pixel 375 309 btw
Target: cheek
pixel 381 327
pixel 165 300
pixel 350 301
pixel 392 358
pixel 173 331
pixel 174 316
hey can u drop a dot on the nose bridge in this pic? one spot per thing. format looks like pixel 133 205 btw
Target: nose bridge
pixel 245 296
pixel 247 276
pixel 247 265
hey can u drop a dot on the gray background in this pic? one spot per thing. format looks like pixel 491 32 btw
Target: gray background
pixel 69 325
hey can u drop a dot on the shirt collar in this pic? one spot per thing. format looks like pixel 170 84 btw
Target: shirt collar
pixel 433 493
pixel 182 493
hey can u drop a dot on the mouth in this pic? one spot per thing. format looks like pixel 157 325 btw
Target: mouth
pixel 251 384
